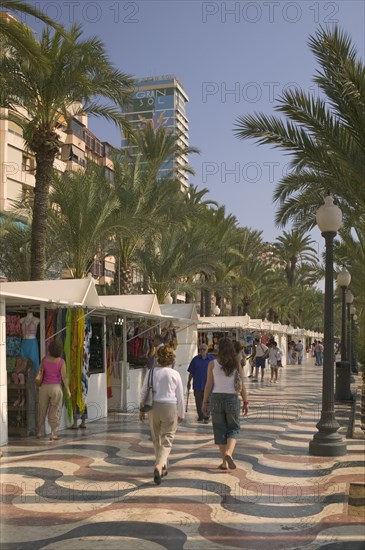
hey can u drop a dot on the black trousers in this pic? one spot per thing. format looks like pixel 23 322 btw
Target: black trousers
pixel 199 394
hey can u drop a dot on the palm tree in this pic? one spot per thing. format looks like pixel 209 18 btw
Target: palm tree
pixel 157 146
pixel 76 80
pixel 148 202
pixel 174 257
pixel 326 135
pixel 81 218
pixel 15 249
pixel 290 248
pixel 16 34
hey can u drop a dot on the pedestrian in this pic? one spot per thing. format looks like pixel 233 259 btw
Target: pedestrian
pixel 252 360
pixel 50 391
pixel 198 369
pixel 291 353
pixel 319 353
pixel 275 361
pixel 261 353
pixel 167 408
pixel 299 349
pixel 225 404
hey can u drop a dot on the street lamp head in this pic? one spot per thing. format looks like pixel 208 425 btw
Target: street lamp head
pixel 349 297
pixel 354 317
pixel 343 277
pixel 329 216
pixel 352 310
pixel 216 310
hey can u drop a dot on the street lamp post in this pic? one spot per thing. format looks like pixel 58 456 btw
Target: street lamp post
pixel 327 441
pixel 343 386
pixel 349 300
pixel 352 329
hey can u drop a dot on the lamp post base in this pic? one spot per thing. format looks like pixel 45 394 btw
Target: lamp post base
pixel 327 444
pixel 343 387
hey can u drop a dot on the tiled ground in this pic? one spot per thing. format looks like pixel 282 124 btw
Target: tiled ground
pixel 94 489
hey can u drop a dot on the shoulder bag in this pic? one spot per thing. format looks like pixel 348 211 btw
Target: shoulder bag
pixel 148 400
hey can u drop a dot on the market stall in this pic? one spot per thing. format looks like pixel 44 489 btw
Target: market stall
pixel 45 309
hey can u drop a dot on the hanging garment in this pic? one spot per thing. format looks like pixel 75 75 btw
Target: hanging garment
pixel 29 349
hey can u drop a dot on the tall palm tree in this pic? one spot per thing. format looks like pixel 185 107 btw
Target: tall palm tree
pixel 290 248
pixel 157 146
pixel 325 135
pixel 16 34
pixel 174 257
pixel 81 218
pixel 77 80
pixel 148 202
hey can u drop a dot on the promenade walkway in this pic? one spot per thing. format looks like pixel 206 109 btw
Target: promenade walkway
pixel 93 489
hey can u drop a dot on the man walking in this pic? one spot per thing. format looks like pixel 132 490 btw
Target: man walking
pixel 197 370
pixel 261 354
pixel 299 349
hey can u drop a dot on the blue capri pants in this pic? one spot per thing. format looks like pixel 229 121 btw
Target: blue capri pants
pixel 225 411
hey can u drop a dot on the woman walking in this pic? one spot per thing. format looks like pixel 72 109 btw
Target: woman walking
pixel 167 408
pixel 50 391
pixel 225 404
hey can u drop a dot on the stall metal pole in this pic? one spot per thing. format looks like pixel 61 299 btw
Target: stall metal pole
pixel 124 367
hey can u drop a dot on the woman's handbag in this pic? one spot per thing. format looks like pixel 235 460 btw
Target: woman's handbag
pixel 237 382
pixel 148 400
pixel 39 377
pixel 279 363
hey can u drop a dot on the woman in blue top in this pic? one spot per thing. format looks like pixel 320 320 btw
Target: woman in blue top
pixel 225 405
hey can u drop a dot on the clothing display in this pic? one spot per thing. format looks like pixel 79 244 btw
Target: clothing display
pixel 29 346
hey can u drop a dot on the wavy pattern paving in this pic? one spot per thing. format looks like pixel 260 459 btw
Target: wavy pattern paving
pixel 96 490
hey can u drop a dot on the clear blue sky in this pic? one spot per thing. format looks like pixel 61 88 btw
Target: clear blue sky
pixel 252 48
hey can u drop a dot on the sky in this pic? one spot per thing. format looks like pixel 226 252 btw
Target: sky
pixel 232 58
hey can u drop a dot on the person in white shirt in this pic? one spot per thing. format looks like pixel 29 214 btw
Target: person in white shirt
pixel 275 361
pixel 261 354
pixel 167 409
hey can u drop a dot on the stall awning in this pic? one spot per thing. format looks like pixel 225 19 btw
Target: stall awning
pixel 135 305
pixel 63 292
pixel 180 311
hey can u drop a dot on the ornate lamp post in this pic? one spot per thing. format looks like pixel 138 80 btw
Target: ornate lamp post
pixel 327 442
pixel 343 387
pixel 352 329
pixel 349 300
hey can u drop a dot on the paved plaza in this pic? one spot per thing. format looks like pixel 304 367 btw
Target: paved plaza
pixel 93 489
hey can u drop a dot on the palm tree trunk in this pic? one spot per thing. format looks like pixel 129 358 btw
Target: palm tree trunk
pixel 40 216
pixel 234 300
pixel 125 278
pixel 45 144
pixel 208 303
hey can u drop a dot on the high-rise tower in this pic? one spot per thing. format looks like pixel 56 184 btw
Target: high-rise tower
pixel 161 99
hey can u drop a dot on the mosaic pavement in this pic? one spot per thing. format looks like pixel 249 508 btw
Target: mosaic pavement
pixel 94 489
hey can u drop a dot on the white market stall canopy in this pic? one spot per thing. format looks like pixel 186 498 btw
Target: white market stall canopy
pixel 180 311
pixel 64 292
pixel 221 324
pixel 135 305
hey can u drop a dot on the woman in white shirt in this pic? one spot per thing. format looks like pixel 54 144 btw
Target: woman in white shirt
pixel 167 408
pixel 225 404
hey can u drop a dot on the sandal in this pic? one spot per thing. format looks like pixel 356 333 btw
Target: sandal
pixel 230 462
pixel 54 438
pixel 221 467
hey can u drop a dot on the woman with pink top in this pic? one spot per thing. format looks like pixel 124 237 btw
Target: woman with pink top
pixel 50 391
